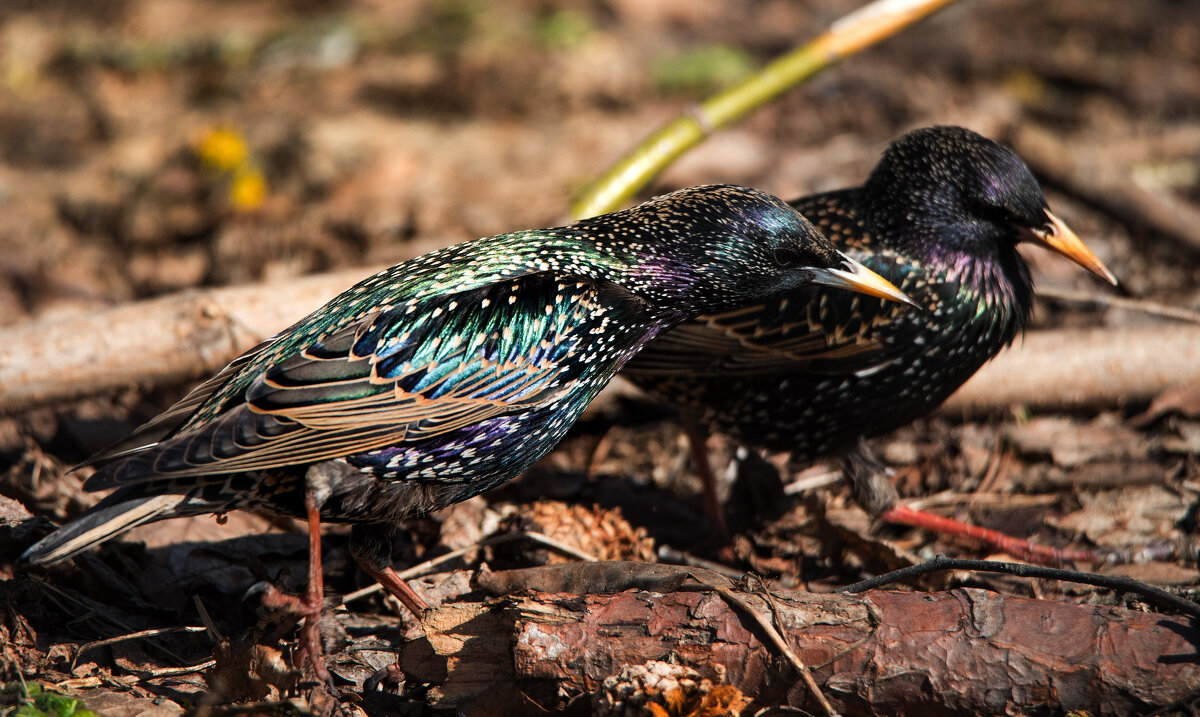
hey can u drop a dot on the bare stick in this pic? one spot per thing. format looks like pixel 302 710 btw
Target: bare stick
pixel 131 636
pixel 861 29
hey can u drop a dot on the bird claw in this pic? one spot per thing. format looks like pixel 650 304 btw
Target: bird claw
pixel 390 673
pixel 298 607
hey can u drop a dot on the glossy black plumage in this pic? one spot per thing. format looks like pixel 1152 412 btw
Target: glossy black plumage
pixel 443 376
pixel 813 372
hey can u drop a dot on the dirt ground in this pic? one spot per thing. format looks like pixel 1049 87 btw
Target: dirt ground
pixel 375 131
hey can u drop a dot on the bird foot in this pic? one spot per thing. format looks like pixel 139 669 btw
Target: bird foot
pixel 309 644
pixel 1022 549
pixel 391 674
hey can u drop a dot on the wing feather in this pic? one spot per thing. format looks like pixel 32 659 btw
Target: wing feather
pixel 395 377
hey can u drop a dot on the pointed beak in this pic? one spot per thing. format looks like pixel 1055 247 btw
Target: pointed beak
pixel 1058 237
pixel 857 277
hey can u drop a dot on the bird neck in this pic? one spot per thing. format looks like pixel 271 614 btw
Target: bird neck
pixel 972 265
pixel 991 281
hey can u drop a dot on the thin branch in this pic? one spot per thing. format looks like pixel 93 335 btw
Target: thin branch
pixel 422 568
pixel 1156 596
pixel 174 671
pixel 859 30
pixel 1144 306
pixel 131 636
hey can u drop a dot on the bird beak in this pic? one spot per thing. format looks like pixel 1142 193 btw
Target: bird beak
pixel 857 277
pixel 1058 237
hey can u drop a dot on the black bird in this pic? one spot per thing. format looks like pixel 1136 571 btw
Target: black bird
pixel 815 372
pixel 446 375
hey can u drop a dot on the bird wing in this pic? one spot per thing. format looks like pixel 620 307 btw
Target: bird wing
pixel 816 329
pixel 169 421
pixel 399 376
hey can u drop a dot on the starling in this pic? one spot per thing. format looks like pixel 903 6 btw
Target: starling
pixel 446 375
pixel 815 372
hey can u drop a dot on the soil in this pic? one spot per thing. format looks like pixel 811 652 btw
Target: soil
pixel 151 146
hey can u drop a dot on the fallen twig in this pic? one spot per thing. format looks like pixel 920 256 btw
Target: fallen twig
pixel 1156 596
pixel 131 636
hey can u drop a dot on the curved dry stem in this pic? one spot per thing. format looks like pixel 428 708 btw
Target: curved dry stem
pixel 860 29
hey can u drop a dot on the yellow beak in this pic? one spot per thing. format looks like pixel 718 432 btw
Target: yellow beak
pixel 1058 237
pixel 857 277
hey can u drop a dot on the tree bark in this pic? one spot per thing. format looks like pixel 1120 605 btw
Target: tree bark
pixel 965 651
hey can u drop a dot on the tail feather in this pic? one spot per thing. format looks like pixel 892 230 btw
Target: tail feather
pixel 116 514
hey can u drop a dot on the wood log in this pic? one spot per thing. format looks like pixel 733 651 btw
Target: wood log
pixel 964 651
pixel 194 333
pixel 1084 368
pixel 166 340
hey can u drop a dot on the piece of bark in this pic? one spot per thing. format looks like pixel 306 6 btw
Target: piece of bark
pixel 966 651
pixel 195 333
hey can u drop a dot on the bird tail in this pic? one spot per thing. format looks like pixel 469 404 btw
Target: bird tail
pixel 122 511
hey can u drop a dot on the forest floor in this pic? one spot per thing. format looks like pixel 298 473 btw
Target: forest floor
pixel 377 131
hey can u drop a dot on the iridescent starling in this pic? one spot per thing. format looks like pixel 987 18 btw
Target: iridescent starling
pixel 446 375
pixel 815 372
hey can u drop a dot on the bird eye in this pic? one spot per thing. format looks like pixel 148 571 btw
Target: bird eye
pixel 787 256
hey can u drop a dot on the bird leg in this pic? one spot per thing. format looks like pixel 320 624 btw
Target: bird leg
pixel 698 443
pixel 371 546
pixel 309 606
pixel 399 589
pixel 878 497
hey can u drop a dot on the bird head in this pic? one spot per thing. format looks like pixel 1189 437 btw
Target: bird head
pixel 955 191
pixel 720 247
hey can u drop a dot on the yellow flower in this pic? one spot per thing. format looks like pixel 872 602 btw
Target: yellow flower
pixel 248 189
pixel 222 149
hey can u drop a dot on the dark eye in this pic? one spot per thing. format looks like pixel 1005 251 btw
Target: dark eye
pixel 787 256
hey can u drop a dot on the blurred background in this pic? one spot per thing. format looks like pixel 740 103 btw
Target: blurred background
pixel 152 145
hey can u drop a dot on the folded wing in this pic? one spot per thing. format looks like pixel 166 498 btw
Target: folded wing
pixel 399 376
